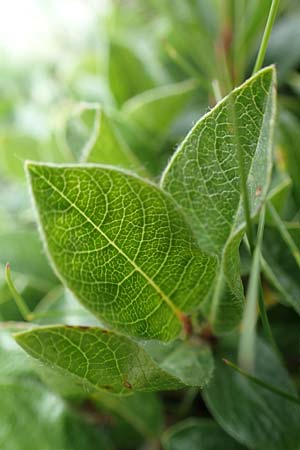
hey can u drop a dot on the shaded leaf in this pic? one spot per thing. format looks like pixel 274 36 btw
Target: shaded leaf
pixel 198 434
pixel 283 271
pixel 254 416
pixel 33 418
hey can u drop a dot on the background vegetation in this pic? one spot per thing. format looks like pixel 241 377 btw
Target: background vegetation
pixel 146 71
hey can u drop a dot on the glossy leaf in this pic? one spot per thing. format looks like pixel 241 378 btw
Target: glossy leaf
pixel 204 179
pixel 99 360
pixel 251 414
pixel 122 247
pixel 198 434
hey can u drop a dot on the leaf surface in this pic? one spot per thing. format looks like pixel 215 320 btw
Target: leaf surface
pixel 32 417
pixel 204 179
pixel 122 247
pixel 198 434
pixel 251 414
pixel 98 360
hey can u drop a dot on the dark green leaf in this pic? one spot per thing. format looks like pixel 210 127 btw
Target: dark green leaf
pixel 198 434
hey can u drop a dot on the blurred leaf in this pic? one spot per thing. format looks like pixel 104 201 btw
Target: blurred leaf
pixel 97 359
pixel 204 179
pixel 128 74
pixel 24 251
pixel 283 272
pixel 289 138
pixel 284 47
pixel 142 410
pixel 107 146
pixel 198 434
pixel 254 416
pixel 33 418
pixel 155 110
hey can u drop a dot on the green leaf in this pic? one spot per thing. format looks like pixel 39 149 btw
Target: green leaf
pixel 142 410
pixel 107 146
pixel 24 252
pixel 100 360
pixel 122 247
pixel 156 109
pixel 127 73
pixel 253 415
pixel 204 179
pixel 32 417
pixel 282 269
pixel 198 434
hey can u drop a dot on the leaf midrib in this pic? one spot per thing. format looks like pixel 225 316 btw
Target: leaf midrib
pixel 152 283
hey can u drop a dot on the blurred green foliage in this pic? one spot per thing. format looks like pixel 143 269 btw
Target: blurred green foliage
pixel 134 84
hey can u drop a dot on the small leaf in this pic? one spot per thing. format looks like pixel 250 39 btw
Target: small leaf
pixel 99 360
pixel 198 434
pixel 122 247
pixel 253 415
pixel 204 179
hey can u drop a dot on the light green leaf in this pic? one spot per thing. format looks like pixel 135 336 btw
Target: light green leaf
pixel 122 247
pixel 156 109
pixel 253 415
pixel 99 360
pixel 198 434
pixel 127 73
pixel 107 146
pixel 204 179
